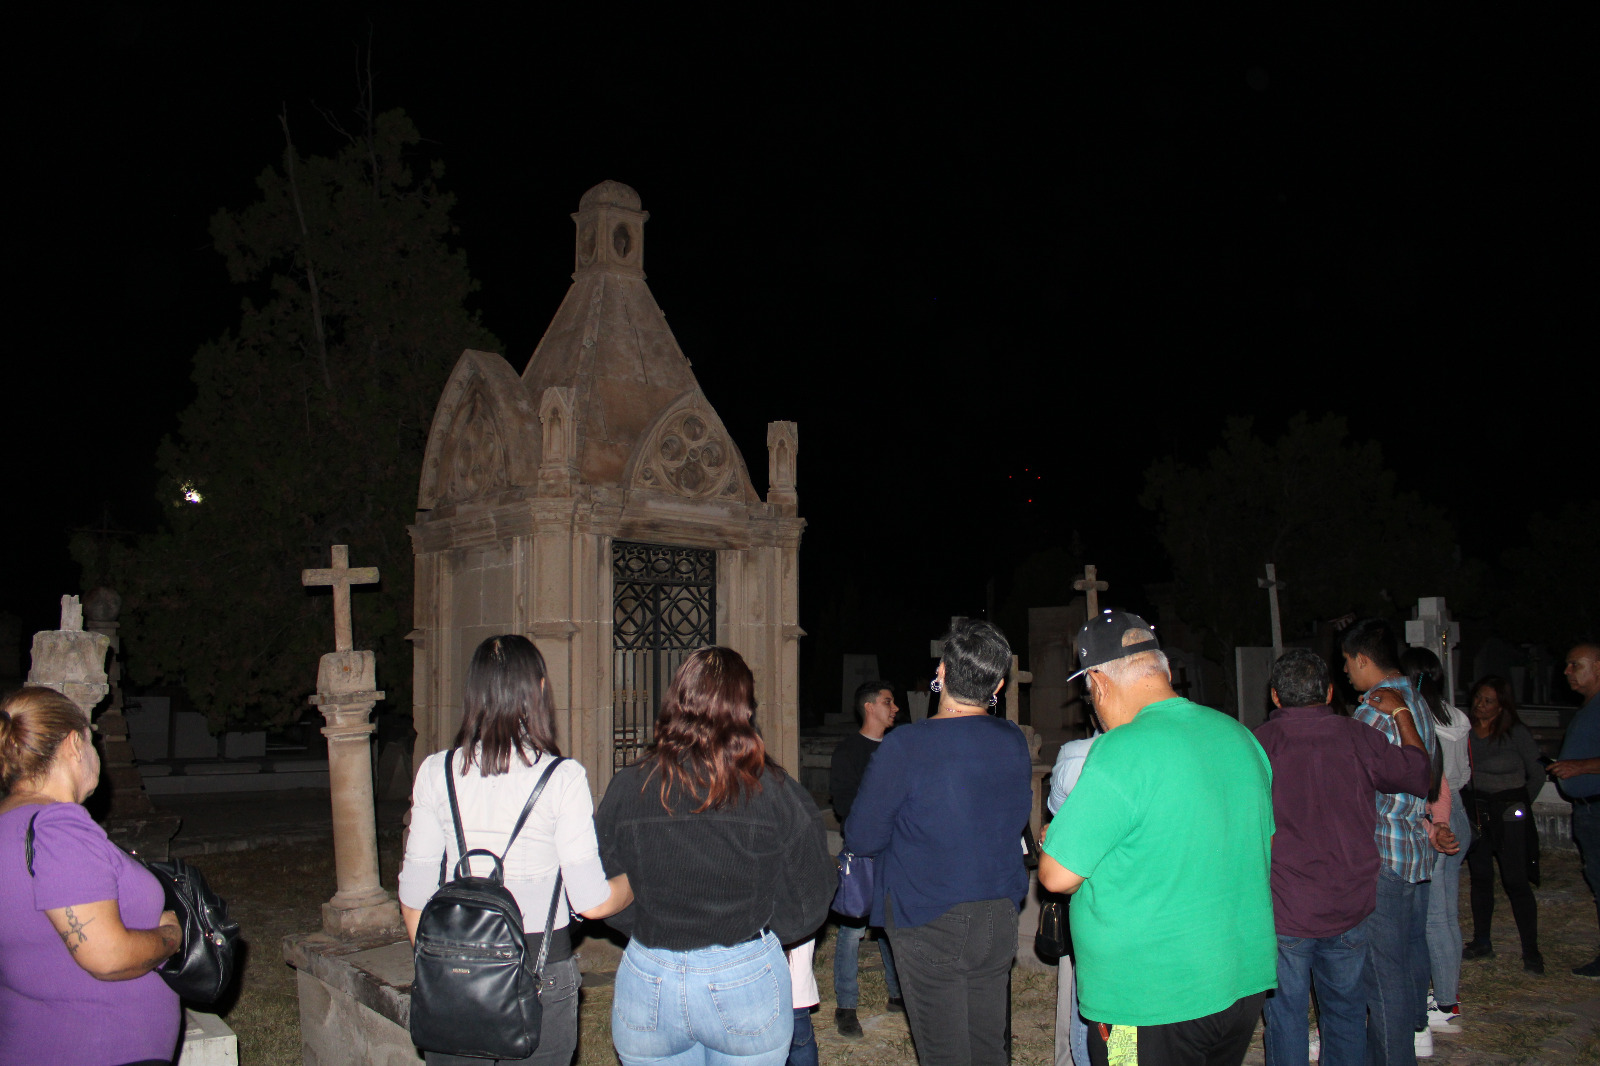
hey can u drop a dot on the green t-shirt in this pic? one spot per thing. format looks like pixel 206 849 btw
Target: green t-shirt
pixel 1171 824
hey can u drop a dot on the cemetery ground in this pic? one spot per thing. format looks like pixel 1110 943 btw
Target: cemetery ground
pixel 277 888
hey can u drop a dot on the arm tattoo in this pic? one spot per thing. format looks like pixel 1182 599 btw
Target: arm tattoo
pixel 75 937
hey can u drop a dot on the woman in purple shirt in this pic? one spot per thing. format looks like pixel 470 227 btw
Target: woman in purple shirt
pixel 84 925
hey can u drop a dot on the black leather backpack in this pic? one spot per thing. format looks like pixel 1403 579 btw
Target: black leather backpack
pixel 475 991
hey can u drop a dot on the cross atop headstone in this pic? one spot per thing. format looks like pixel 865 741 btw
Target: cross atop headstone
pixel 1089 586
pixel 341 576
pixel 1272 585
pixel 1434 630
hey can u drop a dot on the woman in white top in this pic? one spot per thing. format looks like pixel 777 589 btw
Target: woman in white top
pixel 506 742
pixel 1451 726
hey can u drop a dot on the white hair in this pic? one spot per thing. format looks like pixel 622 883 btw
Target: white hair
pixel 1130 668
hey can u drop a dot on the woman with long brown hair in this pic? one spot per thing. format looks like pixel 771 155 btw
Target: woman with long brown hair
pixel 728 861
pixel 1506 775
pixel 506 742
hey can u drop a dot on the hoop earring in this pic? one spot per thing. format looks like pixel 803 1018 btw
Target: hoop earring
pixel 994 698
pixel 936 686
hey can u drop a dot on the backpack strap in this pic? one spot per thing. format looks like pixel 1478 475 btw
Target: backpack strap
pixel 527 809
pixel 549 927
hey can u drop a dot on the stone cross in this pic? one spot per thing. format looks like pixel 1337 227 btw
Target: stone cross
pixel 347 690
pixel 1434 630
pixel 341 577
pixel 1272 585
pixel 1090 587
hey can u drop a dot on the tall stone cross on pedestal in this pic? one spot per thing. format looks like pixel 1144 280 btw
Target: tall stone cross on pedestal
pixel 1272 585
pixel 1091 588
pixel 346 693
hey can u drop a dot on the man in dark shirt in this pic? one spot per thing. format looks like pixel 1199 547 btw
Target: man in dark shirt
pixel 1326 772
pixel 874 704
pixel 1578 770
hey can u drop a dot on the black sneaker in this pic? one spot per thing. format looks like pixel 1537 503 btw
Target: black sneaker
pixel 897 1005
pixel 1588 969
pixel 844 1019
pixel 1478 949
pixel 1533 964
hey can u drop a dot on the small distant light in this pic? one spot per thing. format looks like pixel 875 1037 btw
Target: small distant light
pixel 191 494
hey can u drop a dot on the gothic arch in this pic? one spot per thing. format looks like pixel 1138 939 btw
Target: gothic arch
pixel 687 452
pixel 485 434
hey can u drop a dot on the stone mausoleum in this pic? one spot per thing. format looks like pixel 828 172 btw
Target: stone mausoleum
pixel 596 504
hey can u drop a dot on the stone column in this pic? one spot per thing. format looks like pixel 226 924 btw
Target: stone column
pixel 346 694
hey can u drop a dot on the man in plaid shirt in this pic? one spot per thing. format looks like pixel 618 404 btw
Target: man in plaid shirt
pixel 1397 959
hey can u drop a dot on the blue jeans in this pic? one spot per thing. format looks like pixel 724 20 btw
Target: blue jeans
pixel 1586 833
pixel 847 960
pixel 1444 904
pixel 803 1046
pixel 1338 964
pixel 1397 970
pixel 716 1006
pixel 1072 1039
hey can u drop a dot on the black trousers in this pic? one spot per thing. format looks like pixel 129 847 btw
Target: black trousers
pixel 955 975
pixel 1505 839
pixel 1219 1039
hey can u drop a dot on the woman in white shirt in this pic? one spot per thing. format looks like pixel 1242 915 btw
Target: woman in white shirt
pixel 506 742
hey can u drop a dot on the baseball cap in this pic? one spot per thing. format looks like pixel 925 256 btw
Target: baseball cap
pixel 1113 635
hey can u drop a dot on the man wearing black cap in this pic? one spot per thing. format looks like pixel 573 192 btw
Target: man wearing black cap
pixel 1166 839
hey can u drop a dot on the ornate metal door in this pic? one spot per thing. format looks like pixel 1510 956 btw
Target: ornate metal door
pixel 664 607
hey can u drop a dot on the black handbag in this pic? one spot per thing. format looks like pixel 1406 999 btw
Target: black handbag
pixel 1052 940
pixel 201 970
pixel 474 990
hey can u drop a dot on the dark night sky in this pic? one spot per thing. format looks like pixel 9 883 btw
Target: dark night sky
pixel 950 248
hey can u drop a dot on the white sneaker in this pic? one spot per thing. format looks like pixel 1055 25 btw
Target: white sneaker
pixel 1443 1021
pixel 1422 1040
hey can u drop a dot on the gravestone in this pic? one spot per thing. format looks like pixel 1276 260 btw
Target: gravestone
pixel 192 737
pixel 1055 704
pixel 149 726
pixel 858 670
pixel 1272 585
pixel 1434 630
pixel 1253 674
pixel 917 704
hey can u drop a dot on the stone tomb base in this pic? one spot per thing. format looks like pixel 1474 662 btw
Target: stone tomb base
pixel 355 1000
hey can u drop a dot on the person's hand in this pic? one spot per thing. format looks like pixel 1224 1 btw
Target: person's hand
pixel 1385 701
pixel 171 930
pixel 1443 839
pixel 1562 769
pixel 1043 829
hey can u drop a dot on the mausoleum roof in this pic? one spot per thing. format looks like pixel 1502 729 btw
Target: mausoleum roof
pixel 611 192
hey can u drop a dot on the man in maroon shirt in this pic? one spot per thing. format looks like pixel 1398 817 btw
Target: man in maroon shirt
pixel 1326 772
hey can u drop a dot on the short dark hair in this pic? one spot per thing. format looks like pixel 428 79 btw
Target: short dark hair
pixel 1374 638
pixel 866 692
pixel 976 656
pixel 1300 678
pixel 505 706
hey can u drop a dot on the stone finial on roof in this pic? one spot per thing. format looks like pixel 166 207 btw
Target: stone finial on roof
pixel 610 238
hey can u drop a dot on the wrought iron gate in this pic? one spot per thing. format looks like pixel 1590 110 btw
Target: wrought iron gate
pixel 664 607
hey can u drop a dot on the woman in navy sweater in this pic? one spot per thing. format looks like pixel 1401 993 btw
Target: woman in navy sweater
pixel 942 808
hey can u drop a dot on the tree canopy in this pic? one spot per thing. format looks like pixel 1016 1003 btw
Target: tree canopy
pixel 1322 507
pixel 307 430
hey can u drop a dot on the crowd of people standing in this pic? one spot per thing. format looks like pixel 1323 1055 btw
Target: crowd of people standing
pixel 1216 876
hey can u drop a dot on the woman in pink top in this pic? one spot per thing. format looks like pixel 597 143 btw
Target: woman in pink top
pixel 84 925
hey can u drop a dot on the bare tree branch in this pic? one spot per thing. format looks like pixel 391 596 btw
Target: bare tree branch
pixel 311 272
